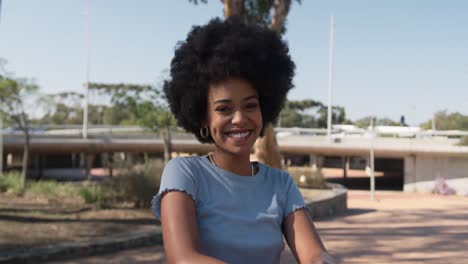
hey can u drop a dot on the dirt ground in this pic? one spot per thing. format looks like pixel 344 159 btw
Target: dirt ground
pixel 396 228
pixel 31 221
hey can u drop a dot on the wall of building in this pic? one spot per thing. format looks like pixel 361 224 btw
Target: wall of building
pixel 421 173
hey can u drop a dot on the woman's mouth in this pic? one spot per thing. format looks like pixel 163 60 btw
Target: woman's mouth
pixel 238 134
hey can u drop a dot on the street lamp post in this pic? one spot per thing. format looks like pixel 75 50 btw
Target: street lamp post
pixel 330 78
pixel 86 84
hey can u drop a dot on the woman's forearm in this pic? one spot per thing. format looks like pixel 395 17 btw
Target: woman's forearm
pixel 195 258
pixel 324 258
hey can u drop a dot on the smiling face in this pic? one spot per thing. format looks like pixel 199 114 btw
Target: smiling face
pixel 234 117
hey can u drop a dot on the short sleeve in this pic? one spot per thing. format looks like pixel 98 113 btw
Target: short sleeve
pixel 177 176
pixel 294 199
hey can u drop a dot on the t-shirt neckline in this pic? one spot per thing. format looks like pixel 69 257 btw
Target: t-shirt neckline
pixel 232 175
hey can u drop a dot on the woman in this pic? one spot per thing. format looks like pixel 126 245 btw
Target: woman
pixel 227 81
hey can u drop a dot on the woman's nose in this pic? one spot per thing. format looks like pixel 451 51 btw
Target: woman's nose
pixel 238 117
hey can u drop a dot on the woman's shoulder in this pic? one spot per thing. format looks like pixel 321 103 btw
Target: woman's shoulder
pixel 186 160
pixel 274 173
pixel 187 164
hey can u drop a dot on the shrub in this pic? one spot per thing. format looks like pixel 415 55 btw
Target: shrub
pixel 313 178
pixel 463 141
pixel 94 193
pixel 137 184
pixel 52 189
pixel 10 182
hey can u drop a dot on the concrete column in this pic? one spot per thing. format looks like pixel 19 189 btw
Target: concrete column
pixel 345 165
pixel 368 167
pixel 110 160
pixel 89 159
pixel 409 174
pixel 42 159
pixel 316 161
pixel 36 164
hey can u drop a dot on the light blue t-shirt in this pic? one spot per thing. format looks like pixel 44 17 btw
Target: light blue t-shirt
pixel 239 217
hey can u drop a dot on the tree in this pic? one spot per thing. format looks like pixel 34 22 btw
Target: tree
pixel 309 113
pixel 338 116
pixel 144 106
pixel 366 122
pixel 268 13
pixel 14 93
pixel 297 113
pixel 447 121
pixel 62 108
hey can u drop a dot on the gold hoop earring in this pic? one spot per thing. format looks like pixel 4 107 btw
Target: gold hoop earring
pixel 204 132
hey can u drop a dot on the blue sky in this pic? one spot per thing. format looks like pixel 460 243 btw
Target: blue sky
pixel 392 58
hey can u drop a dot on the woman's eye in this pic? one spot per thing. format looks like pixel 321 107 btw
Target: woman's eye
pixel 222 109
pixel 252 106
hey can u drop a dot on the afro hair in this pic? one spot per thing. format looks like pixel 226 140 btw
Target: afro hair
pixel 223 50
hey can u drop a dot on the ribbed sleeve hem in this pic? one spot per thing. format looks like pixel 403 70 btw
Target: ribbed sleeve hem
pixel 294 209
pixel 156 201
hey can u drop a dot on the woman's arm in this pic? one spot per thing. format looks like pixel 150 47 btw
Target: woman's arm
pixel 303 239
pixel 180 231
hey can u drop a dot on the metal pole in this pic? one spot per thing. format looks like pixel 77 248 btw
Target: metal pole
pixel 372 169
pixel 0 10
pixel 433 124
pixel 330 78
pixel 86 84
pixel 1 146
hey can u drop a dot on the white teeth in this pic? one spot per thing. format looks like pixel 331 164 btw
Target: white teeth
pixel 239 135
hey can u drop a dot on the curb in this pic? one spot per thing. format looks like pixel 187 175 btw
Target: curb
pixel 326 203
pixel 71 250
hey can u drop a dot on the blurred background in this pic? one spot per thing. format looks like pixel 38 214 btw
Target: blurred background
pixel 379 105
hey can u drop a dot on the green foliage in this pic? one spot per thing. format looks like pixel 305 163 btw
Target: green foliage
pixel 463 141
pixel 14 92
pixel 10 182
pixel 94 193
pixel 52 189
pixel 313 178
pixel 366 122
pixel 134 104
pixel 132 184
pixel 447 121
pixel 255 11
pixel 66 109
pixel 62 108
pixel 309 113
pixel 136 184
pixel 338 116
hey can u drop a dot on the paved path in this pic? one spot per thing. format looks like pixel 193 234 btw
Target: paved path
pixel 398 227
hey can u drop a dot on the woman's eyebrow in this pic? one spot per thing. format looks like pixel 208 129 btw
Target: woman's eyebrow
pixel 222 101
pixel 229 100
pixel 250 97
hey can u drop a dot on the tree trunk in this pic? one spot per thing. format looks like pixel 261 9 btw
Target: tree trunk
pixel 266 148
pixel 166 137
pixel 110 159
pixel 24 170
pixel 233 8
pixel 88 164
pixel 24 125
pixel 281 10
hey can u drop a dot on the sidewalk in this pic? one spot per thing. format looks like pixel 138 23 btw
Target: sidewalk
pixel 399 228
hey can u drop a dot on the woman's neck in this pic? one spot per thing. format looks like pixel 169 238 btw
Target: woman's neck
pixel 237 164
